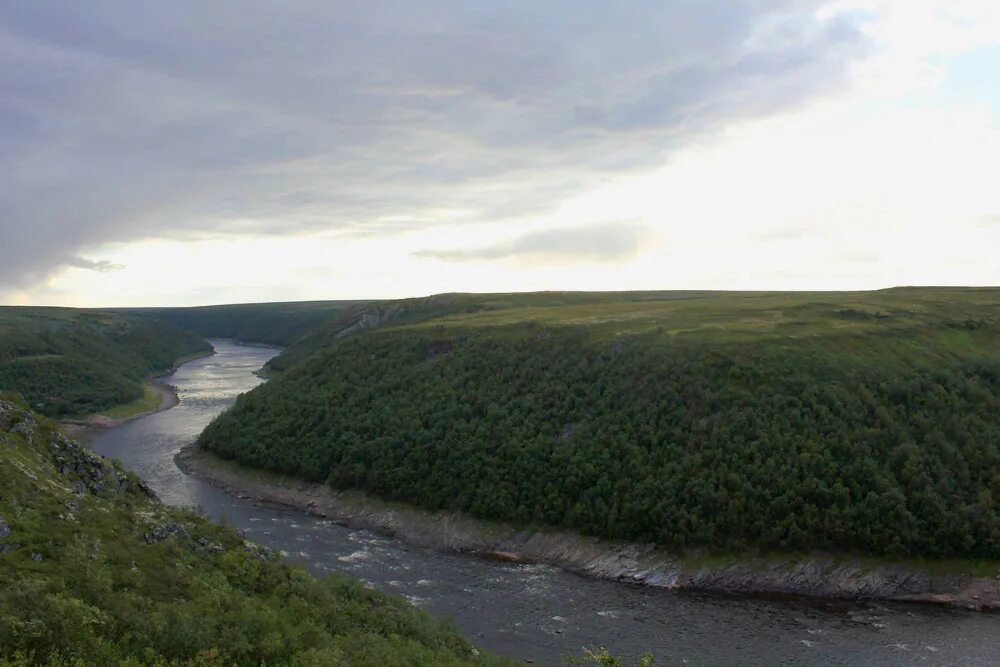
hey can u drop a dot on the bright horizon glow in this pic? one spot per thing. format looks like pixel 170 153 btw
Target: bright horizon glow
pixel 887 179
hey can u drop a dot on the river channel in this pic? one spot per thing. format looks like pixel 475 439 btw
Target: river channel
pixel 538 612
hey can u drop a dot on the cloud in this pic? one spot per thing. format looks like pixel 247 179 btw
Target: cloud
pixel 595 243
pixel 185 119
pixel 99 265
pixel 783 234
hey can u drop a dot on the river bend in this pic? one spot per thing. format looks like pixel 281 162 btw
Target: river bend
pixel 534 611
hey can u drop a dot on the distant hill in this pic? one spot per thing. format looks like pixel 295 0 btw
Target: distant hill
pixel 94 571
pixel 858 421
pixel 68 361
pixel 268 323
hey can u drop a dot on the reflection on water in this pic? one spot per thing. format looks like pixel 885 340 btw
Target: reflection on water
pixel 536 611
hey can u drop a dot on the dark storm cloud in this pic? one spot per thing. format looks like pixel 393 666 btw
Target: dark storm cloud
pixel 123 120
pixel 596 242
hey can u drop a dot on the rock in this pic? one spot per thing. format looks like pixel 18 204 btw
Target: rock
pixel 37 557
pixel 208 546
pixel 569 430
pixel 503 556
pixel 166 530
pixel 4 530
pixel 258 551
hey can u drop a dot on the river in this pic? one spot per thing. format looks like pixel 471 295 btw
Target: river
pixel 532 611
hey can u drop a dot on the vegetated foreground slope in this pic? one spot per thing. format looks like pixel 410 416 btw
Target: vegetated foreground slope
pixel 95 571
pixel 67 361
pixel 269 323
pixel 845 421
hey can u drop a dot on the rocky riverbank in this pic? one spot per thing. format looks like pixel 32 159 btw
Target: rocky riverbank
pixel 817 575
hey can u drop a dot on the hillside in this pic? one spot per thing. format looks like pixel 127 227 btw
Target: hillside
pixel 68 361
pixel 864 422
pixel 268 323
pixel 95 571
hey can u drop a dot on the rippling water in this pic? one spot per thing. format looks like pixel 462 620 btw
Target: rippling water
pixel 533 611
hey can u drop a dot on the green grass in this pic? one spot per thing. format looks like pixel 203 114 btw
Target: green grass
pixel 704 316
pixel 726 316
pixel 95 572
pixel 150 401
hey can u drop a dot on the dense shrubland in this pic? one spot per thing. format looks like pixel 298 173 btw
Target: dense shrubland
pixel 94 571
pixel 845 422
pixel 67 361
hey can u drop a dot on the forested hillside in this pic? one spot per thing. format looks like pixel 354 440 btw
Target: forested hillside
pixel 95 571
pixel 845 421
pixel 269 323
pixel 67 361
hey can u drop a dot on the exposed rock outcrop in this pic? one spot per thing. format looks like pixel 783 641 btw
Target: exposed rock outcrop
pixel 83 470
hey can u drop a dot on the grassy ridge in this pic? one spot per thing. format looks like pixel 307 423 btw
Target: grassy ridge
pixel 95 571
pixel 67 361
pixel 719 316
pixel 860 421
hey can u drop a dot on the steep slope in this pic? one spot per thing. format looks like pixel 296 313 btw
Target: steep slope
pixel 864 422
pixel 68 361
pixel 95 571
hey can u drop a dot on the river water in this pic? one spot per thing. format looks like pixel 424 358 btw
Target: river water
pixel 532 611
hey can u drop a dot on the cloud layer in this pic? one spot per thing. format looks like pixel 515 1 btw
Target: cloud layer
pixel 99 265
pixel 122 121
pixel 602 243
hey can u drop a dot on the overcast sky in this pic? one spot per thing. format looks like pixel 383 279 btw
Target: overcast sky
pixel 207 152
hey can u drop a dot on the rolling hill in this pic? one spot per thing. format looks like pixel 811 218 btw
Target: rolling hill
pixel 70 362
pixel 864 422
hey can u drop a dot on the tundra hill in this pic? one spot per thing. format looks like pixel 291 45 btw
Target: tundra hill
pixel 95 571
pixel 68 361
pixel 268 323
pixel 857 421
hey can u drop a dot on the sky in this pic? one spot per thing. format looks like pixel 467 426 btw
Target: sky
pixel 185 153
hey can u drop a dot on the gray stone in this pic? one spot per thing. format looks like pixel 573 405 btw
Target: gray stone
pixel 166 530
pixel 208 546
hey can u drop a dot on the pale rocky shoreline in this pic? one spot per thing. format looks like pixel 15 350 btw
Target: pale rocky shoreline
pixel 820 576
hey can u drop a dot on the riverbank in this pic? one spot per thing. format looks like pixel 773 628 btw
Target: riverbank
pixel 83 429
pixel 158 396
pixel 818 575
